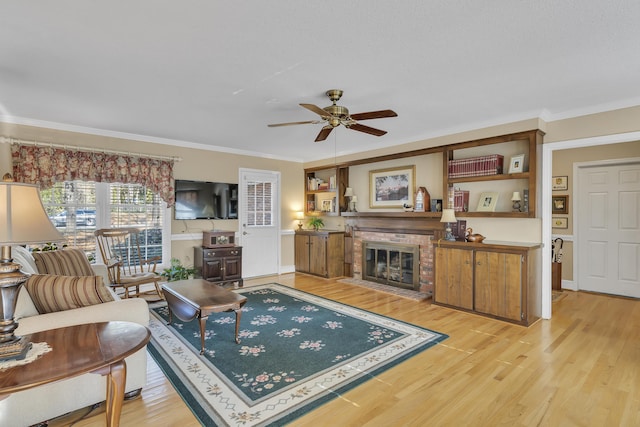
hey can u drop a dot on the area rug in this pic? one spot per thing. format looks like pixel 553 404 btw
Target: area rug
pixel 297 352
pixel 405 293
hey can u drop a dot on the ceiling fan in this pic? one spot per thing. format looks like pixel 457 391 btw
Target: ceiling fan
pixel 336 115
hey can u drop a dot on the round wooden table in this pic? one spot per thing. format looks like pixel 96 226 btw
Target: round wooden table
pixel 98 348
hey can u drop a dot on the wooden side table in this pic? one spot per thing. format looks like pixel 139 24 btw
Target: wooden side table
pixel 188 299
pixel 98 348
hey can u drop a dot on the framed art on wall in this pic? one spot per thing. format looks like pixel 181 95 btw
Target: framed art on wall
pixel 391 188
pixel 560 204
pixel 560 183
pixel 560 223
pixel 488 201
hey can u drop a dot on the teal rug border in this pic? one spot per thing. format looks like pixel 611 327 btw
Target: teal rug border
pixel 187 395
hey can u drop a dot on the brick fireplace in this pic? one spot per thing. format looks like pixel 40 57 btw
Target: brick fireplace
pixel 405 229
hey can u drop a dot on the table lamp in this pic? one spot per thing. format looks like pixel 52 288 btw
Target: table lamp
pixel 448 216
pixel 348 192
pixel 23 221
pixel 515 198
pixel 300 218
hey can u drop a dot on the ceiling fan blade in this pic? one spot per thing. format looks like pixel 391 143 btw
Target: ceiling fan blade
pixel 319 111
pixel 374 115
pixel 273 125
pixel 366 129
pixel 324 133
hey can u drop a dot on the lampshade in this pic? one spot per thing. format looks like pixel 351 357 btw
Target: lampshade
pixel 300 215
pixel 354 198
pixel 23 219
pixel 516 196
pixel 348 192
pixel 448 216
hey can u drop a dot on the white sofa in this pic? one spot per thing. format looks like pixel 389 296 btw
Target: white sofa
pixel 49 401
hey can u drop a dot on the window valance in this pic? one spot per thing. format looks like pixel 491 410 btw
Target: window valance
pixel 45 165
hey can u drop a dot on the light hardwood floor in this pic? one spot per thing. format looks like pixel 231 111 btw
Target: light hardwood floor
pixel 581 368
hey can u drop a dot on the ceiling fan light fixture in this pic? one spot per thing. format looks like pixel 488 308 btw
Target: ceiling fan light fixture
pixel 336 115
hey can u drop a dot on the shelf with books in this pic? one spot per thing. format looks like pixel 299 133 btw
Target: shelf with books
pixel 324 190
pixel 495 169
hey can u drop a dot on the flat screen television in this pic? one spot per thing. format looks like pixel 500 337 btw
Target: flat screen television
pixel 205 200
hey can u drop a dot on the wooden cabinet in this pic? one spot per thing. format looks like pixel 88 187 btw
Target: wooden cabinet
pixel 504 183
pixel 220 265
pixel 454 278
pixel 320 252
pixel 326 198
pixel 499 279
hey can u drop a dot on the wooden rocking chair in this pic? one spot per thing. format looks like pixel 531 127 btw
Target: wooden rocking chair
pixel 120 251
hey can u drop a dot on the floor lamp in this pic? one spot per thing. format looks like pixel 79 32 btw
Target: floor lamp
pixel 23 221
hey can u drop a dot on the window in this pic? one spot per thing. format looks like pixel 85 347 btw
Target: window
pixel 77 208
pixel 259 206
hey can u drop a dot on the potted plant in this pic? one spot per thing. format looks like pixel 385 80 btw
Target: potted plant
pixel 316 223
pixel 177 271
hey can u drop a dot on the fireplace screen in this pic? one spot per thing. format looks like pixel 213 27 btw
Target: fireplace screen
pixel 392 264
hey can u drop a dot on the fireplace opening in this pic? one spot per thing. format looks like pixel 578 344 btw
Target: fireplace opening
pixel 392 264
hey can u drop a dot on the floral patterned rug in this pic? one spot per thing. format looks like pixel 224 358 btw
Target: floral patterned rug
pixel 297 351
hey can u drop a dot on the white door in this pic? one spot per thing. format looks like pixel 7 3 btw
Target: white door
pixel 259 222
pixel 608 216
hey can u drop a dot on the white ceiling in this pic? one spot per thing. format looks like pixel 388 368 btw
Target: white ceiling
pixel 215 73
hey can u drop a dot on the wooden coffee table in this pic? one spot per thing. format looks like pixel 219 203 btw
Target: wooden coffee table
pixel 188 299
pixel 98 348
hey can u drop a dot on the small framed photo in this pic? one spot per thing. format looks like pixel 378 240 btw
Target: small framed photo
pixel 560 223
pixel 560 204
pixel 516 165
pixel 560 183
pixel 488 201
pixel 327 206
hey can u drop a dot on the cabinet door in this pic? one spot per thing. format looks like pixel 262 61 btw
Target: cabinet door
pixel 498 284
pixel 318 255
pixel 232 268
pixel 302 252
pixel 212 269
pixel 454 277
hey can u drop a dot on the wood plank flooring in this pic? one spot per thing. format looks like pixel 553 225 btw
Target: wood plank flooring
pixel 581 368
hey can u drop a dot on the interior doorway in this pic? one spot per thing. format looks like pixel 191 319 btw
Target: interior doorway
pixel 547 169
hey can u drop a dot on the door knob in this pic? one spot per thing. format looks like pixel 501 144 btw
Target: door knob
pixel 244 233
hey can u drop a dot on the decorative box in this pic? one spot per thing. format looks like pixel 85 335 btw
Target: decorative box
pixel 218 239
pixel 476 166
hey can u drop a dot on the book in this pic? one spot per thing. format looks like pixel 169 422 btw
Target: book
pixel 461 230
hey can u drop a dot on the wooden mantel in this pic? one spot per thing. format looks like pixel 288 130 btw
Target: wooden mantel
pixel 396 222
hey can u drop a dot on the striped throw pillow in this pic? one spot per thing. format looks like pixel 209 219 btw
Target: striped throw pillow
pixel 51 293
pixel 67 262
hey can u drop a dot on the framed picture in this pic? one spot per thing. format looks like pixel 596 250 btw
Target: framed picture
pixel 517 164
pixel 327 206
pixel 560 183
pixel 560 223
pixel 391 188
pixel 560 205
pixel 488 201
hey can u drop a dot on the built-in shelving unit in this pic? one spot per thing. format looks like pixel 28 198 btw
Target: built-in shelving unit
pixel 504 184
pixel 324 190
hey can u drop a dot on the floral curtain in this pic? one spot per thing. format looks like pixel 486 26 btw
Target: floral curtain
pixel 46 165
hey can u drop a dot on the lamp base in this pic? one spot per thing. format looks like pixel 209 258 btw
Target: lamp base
pixel 16 349
pixel 11 280
pixel 448 234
